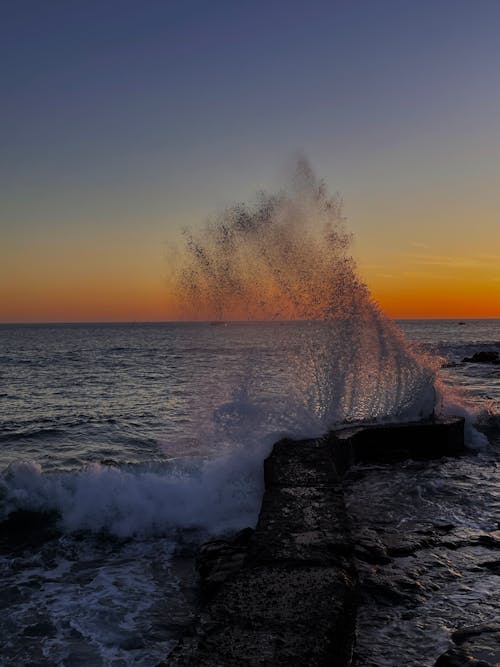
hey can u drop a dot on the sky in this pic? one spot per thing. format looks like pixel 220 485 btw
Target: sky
pixel 123 122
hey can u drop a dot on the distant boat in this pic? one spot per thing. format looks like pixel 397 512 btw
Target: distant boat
pixel 463 323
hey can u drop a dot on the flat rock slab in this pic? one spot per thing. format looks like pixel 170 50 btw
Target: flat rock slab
pixel 302 525
pixel 234 646
pixel 293 602
pixel 277 616
pixel 301 463
pixel 280 597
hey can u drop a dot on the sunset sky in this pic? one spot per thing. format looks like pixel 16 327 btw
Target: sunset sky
pixel 123 122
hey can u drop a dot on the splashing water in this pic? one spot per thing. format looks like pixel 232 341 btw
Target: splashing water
pixel 286 257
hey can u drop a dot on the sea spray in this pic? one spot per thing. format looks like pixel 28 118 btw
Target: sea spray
pixel 286 257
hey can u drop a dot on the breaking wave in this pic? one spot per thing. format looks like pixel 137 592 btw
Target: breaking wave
pixel 214 496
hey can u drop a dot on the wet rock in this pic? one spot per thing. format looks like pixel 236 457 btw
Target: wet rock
pixel 369 547
pixel 492 566
pixel 42 629
pixel 276 616
pixel 131 643
pixel 25 529
pixel 476 646
pixel 491 540
pixel 483 357
pixel 300 524
pixel 217 560
pixel 468 634
pixel 301 463
pixel 292 600
pixel 455 657
pixel 408 543
pixel 388 443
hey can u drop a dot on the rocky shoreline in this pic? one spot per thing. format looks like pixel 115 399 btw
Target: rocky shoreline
pixel 298 588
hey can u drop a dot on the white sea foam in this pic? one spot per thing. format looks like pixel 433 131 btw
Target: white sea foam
pixel 215 495
pixel 455 401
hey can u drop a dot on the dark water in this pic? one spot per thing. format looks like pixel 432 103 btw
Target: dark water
pixel 142 440
pixel 437 522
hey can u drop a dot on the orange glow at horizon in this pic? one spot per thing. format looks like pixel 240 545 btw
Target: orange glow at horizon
pixel 453 295
pixel 41 286
pixel 399 299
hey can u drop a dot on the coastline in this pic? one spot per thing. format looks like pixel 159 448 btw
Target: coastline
pixel 291 594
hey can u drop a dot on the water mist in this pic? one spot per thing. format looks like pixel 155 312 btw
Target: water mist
pixel 286 258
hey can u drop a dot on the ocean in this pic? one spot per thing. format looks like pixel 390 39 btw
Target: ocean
pixel 124 446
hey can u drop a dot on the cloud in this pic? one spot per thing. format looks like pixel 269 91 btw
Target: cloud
pixel 453 262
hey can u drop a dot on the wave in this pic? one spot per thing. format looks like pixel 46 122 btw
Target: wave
pixel 213 495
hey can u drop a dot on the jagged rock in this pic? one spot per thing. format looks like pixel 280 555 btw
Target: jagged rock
pixel 217 560
pixel 484 357
pixel 27 529
pixel 492 566
pixel 477 646
pixel 455 657
pixel 369 547
pixel 491 540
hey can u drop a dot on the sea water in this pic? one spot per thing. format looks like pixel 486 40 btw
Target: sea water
pixel 145 439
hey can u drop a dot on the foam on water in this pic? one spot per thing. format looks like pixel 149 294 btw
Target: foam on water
pixel 214 495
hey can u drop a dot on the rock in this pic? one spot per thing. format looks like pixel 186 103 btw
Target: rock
pixel 286 594
pixel 217 560
pixel 300 524
pixel 477 646
pixel 484 357
pixel 300 463
pixel 26 529
pixel 370 548
pixel 388 443
pixel 457 658
pixel 276 616
pixel 466 634
pixel 492 566
pixel 41 629
pixel 492 540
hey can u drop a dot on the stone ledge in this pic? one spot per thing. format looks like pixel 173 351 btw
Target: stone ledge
pixel 293 599
pixel 388 443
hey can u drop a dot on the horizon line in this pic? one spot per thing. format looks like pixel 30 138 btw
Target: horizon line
pixel 220 321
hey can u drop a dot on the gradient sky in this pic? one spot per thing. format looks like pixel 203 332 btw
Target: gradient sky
pixel 124 121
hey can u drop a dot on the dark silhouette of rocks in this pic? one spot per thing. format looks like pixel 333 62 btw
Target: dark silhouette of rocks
pixel 478 646
pixel 287 592
pixel 483 357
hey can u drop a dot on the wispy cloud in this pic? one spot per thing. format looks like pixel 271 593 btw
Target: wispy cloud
pixel 417 244
pixel 453 262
